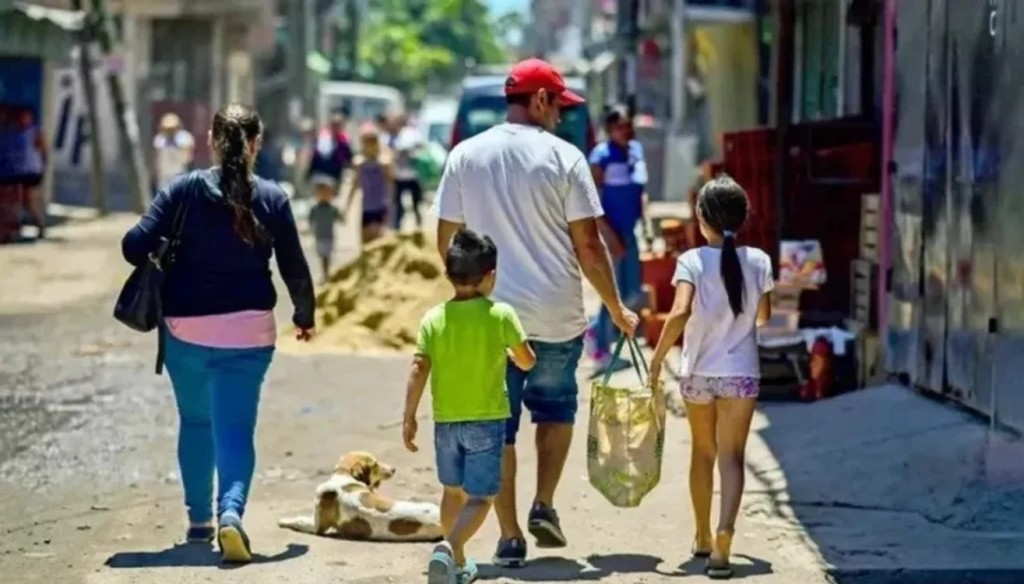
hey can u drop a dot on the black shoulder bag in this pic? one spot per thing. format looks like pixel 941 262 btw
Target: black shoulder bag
pixel 140 303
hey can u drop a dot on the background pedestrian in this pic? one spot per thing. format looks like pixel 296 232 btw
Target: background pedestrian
pixel 175 149
pixel 374 180
pixel 404 141
pixel 620 173
pixel 323 219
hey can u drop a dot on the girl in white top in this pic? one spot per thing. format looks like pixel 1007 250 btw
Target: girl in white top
pixel 722 295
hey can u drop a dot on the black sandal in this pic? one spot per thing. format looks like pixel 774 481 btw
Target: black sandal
pixel 701 554
pixel 719 569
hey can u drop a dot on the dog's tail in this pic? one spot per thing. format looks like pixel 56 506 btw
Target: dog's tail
pixel 300 524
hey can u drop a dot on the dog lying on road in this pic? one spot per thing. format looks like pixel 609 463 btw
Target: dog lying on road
pixel 348 506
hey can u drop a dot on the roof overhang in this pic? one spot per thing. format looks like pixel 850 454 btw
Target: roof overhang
pixel 30 30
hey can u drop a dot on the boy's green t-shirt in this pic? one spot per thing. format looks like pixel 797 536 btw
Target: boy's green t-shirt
pixel 466 341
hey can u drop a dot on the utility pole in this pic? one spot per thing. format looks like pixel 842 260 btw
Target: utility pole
pixel 309 14
pixel 679 65
pixel 629 38
pixel 296 61
pixel 127 124
pixel 355 14
pixel 98 180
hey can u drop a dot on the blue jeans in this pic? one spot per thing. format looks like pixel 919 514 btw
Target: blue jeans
pixel 629 281
pixel 218 395
pixel 469 455
pixel 549 390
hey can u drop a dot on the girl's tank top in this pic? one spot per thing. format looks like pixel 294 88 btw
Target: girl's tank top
pixel 374 184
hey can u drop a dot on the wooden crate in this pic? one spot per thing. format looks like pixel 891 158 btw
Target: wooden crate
pixel 869 369
pixel 870 224
pixel 864 292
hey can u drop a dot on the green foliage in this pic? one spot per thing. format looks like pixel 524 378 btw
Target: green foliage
pixel 418 44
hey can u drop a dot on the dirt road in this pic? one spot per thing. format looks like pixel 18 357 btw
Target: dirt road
pixel 850 490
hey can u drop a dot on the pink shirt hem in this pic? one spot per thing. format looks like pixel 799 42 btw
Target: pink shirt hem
pixel 247 329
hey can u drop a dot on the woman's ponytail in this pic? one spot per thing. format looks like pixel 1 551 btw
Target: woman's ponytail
pixel 732 273
pixel 234 128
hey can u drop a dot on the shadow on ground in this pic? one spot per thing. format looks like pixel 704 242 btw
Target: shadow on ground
pixel 194 555
pixel 599 567
pixel 891 487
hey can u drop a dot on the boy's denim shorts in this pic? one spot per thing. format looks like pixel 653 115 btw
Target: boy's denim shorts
pixel 549 390
pixel 469 455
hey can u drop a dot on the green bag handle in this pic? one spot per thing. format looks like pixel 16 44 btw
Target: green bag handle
pixel 637 357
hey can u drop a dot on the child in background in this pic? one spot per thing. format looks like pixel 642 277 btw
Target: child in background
pixel 722 295
pixel 464 346
pixel 322 218
pixel 374 179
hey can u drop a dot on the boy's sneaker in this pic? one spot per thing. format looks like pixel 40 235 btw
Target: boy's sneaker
pixel 468 573
pixel 511 553
pixel 544 526
pixel 441 569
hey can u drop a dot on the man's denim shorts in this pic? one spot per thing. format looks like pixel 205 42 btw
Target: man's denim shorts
pixel 469 455
pixel 549 390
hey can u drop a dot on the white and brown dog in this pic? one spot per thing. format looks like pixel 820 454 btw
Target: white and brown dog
pixel 348 506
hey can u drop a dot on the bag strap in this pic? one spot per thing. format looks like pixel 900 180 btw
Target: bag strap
pixel 178 226
pixel 637 357
pixel 161 346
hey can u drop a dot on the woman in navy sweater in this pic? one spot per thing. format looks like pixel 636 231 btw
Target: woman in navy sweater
pixel 219 321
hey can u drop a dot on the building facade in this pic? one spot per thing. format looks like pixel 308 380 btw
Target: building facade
pixel 182 56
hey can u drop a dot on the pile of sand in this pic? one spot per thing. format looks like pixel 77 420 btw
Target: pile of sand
pixel 378 300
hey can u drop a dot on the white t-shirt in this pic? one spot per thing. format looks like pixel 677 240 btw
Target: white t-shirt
pixel 716 343
pixel 172 156
pixel 522 186
pixel 405 145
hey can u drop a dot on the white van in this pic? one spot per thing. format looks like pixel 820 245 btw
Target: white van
pixel 363 102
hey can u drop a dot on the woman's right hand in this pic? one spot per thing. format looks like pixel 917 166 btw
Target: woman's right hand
pixel 305 335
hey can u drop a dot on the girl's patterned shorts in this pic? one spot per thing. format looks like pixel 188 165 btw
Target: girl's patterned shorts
pixel 704 390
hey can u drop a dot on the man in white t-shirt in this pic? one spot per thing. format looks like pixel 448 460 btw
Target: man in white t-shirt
pixel 533 194
pixel 405 141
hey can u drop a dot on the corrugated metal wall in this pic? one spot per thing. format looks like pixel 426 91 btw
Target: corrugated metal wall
pixel 958 259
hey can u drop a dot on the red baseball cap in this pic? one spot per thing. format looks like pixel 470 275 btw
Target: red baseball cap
pixel 532 75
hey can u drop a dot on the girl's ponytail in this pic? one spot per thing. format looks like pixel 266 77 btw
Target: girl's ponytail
pixel 722 205
pixel 732 273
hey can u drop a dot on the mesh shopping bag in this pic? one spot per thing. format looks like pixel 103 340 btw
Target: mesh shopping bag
pixel 626 441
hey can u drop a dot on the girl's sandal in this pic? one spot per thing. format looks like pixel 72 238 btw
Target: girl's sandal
pixel 719 568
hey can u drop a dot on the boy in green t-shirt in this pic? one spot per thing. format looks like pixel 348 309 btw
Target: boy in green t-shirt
pixel 464 346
